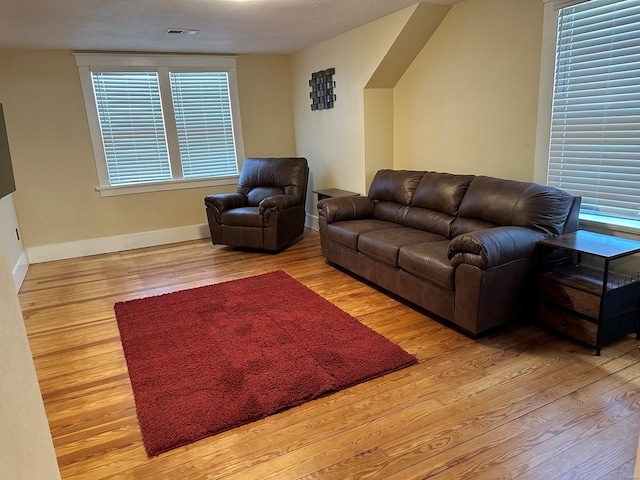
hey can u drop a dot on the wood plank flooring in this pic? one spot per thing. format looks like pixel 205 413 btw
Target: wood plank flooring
pixel 520 403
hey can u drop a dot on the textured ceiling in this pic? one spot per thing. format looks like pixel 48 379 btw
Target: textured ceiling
pixel 226 26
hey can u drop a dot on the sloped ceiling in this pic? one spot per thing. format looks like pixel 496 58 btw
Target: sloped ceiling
pixel 424 21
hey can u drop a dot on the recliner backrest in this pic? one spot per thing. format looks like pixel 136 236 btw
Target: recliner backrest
pixel 266 177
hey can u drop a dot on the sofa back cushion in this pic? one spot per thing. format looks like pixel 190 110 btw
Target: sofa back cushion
pixel 392 191
pixel 495 201
pixel 435 202
pixel 441 192
pixel 395 185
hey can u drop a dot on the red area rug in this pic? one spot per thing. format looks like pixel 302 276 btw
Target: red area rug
pixel 208 359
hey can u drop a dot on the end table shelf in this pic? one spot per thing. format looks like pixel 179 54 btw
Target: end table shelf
pixel 589 286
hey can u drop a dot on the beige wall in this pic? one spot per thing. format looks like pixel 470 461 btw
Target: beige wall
pixel 468 103
pixel 53 161
pixel 333 140
pixel 378 131
pixel 264 85
pixel 26 449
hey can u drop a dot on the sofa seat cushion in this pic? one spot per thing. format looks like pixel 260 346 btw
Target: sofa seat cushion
pixel 429 261
pixel 242 217
pixel 347 232
pixel 385 245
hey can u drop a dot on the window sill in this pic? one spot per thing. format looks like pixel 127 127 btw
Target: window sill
pixel 607 225
pixel 112 191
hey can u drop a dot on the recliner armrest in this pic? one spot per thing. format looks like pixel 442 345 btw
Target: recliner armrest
pixel 493 246
pixel 277 203
pixel 337 209
pixel 225 201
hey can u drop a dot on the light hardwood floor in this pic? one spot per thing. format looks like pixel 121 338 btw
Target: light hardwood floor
pixel 520 403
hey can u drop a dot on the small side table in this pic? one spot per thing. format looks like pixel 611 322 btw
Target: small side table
pixel 334 192
pixel 588 287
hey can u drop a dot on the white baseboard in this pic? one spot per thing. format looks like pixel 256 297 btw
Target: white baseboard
pixel 95 246
pixel 20 269
pixel 311 222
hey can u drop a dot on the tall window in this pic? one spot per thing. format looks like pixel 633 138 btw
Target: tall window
pixel 160 121
pixel 595 127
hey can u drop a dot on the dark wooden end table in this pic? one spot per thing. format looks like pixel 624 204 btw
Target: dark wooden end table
pixel 582 295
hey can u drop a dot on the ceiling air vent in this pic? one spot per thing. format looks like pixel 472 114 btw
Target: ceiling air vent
pixel 181 31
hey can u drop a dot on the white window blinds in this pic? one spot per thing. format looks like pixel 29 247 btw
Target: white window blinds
pixel 204 124
pixel 132 126
pixel 161 121
pixel 595 128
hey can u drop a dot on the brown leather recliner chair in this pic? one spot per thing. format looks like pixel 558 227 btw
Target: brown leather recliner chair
pixel 268 210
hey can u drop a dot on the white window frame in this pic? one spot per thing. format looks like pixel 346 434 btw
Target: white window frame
pixel 161 63
pixel 545 103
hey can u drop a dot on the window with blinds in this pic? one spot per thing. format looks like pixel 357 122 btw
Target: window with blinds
pixel 204 124
pixel 132 126
pixel 595 127
pixel 161 121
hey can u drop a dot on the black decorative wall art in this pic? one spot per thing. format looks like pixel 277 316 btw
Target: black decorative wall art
pixel 322 86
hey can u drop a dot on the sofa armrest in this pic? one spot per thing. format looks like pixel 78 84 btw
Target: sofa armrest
pixel 225 201
pixel 276 203
pixel 337 209
pixel 494 246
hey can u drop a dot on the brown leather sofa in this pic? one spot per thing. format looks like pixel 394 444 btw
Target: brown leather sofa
pixel 267 211
pixel 461 246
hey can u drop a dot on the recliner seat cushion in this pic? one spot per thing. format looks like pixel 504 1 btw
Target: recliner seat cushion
pixel 429 261
pixel 242 217
pixel 384 245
